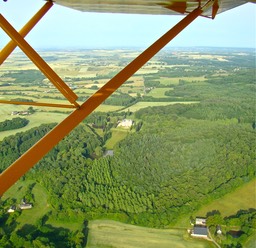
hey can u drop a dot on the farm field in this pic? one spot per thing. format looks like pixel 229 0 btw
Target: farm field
pixel 176 80
pixel 242 198
pixel 141 105
pixel 41 206
pixel 35 119
pixel 84 72
pixel 251 243
pixel 106 233
pixel 118 134
pixel 158 92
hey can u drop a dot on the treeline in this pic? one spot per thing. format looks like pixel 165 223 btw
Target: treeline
pixel 38 235
pixel 12 147
pixel 26 76
pixel 212 110
pixel 239 85
pixel 14 123
pixel 120 99
pixel 231 58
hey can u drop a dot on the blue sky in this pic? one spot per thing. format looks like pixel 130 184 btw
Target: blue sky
pixel 65 28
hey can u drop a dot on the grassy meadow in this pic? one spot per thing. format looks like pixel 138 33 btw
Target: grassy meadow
pixel 106 233
pixel 35 119
pixel 118 134
pixel 40 208
pixel 141 105
pixel 242 198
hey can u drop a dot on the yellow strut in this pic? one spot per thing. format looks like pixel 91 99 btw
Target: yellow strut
pixel 38 61
pixel 41 104
pixel 43 146
pixel 8 49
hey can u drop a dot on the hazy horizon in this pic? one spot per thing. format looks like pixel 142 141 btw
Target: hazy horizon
pixel 67 28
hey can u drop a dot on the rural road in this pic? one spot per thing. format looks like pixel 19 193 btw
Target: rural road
pixel 211 239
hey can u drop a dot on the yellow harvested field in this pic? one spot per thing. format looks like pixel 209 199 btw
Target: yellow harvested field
pixel 141 105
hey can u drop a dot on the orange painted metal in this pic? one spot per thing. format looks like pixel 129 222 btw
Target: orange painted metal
pixel 179 7
pixel 8 49
pixel 215 8
pixel 38 61
pixel 43 104
pixel 42 147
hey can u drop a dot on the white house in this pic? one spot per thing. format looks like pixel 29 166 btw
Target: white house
pixel 11 209
pixel 125 123
pixel 200 221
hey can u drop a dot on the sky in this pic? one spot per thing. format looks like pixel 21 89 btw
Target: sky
pixel 65 28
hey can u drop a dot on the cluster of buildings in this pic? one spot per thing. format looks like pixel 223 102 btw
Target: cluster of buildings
pixel 23 205
pixel 20 113
pixel 200 229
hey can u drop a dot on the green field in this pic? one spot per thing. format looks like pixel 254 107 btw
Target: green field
pixel 251 242
pixel 176 80
pixel 159 92
pixel 40 208
pixel 106 233
pixel 35 119
pixel 141 105
pixel 118 134
pixel 43 115
pixel 242 198
pixel 108 108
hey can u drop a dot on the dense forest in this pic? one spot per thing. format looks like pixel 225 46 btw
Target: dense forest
pixel 178 158
pixel 154 171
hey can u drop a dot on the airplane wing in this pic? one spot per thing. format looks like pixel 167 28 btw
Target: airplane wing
pixel 154 7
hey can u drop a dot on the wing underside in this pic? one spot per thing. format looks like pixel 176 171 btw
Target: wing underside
pixel 154 7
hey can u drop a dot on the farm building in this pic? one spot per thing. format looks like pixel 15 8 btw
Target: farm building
pixel 200 221
pixel 20 113
pixel 199 231
pixel 11 209
pixel 109 153
pixel 25 206
pixel 125 123
pixel 218 229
